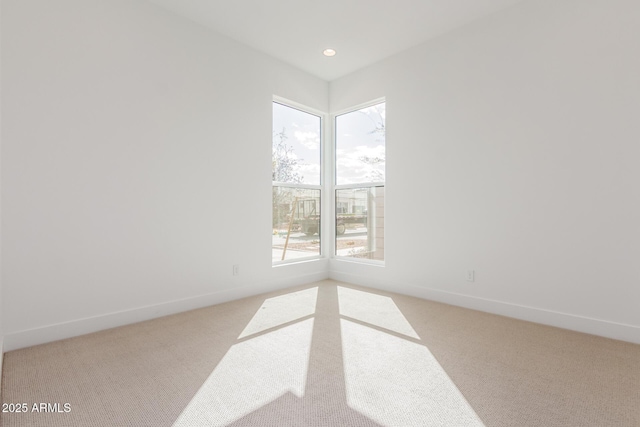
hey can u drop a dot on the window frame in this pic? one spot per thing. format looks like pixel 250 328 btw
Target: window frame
pixel 336 187
pixel 322 231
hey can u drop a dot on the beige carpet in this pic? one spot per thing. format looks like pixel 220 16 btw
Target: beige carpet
pixel 327 354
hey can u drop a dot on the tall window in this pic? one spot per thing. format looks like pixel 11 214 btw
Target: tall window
pixel 360 179
pixel 296 173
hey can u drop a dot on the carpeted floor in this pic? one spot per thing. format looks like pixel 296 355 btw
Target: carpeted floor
pixel 326 354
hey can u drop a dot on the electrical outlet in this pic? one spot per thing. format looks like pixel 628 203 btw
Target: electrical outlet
pixel 471 275
pixel 236 270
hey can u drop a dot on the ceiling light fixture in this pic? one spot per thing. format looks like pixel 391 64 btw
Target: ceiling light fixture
pixel 329 52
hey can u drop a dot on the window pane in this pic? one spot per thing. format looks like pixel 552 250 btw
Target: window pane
pixel 296 223
pixel 360 223
pixel 296 146
pixel 360 146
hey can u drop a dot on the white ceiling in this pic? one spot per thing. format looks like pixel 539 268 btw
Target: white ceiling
pixel 362 31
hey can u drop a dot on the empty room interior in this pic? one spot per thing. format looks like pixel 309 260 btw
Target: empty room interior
pixel 199 225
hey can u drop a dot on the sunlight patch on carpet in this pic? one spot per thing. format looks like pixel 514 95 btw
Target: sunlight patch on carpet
pixel 374 309
pixel 282 309
pixel 398 382
pixel 252 374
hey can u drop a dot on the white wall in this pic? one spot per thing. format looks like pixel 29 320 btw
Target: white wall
pixel 512 149
pixel 1 330
pixel 130 135
pixel 135 166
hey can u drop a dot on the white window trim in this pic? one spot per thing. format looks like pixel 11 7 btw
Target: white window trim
pixel 325 231
pixel 356 108
pixel 360 185
pixel 334 187
pixel 289 185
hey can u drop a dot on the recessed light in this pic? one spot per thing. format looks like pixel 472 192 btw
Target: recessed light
pixel 329 52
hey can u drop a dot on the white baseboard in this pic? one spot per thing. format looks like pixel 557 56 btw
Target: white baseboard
pixel 603 328
pixel 49 333
pixel 55 332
